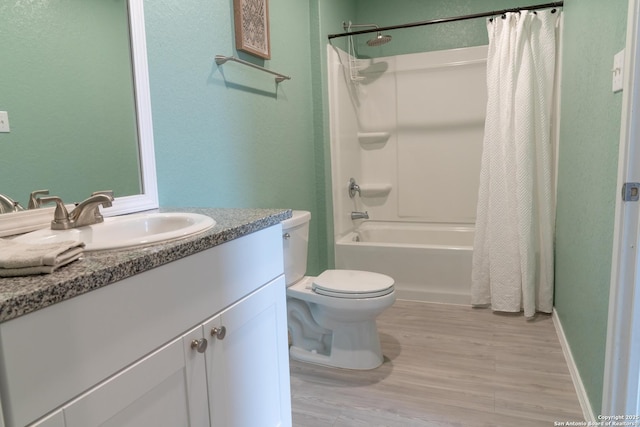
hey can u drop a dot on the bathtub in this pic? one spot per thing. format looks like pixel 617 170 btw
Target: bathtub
pixel 429 262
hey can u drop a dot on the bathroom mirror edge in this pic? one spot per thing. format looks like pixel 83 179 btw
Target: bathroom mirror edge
pixel 148 199
pixel 24 221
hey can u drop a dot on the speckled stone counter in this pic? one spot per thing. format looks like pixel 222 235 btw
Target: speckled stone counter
pixel 22 295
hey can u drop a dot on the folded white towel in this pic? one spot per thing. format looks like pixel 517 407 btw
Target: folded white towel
pixel 21 259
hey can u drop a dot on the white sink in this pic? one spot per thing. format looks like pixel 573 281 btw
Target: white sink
pixel 127 231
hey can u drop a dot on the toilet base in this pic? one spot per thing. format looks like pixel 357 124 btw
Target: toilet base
pixel 331 331
pixel 354 345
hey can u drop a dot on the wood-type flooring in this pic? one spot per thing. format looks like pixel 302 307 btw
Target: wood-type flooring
pixel 445 365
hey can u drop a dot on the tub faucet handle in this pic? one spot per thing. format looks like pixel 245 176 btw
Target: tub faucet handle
pixel 353 188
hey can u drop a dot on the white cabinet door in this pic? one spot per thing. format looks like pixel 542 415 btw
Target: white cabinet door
pixel 248 369
pixel 54 420
pixel 165 389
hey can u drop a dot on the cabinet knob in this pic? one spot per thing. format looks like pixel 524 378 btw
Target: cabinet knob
pixel 199 345
pixel 219 332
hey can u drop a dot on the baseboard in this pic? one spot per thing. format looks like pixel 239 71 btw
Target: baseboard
pixel 587 411
pixel 435 297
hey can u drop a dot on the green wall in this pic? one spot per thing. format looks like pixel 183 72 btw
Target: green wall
pixel 68 89
pixel 589 137
pixel 228 136
pixel 449 35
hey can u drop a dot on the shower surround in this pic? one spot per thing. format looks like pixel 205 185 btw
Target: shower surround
pixel 409 129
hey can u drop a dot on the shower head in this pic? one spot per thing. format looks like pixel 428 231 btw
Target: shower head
pixel 379 40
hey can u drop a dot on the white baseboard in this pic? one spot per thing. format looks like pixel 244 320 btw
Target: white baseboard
pixel 587 410
pixel 435 297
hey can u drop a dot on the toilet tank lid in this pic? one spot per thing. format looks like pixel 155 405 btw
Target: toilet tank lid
pixel 297 218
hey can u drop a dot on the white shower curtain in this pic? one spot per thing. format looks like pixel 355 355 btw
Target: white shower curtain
pixel 513 247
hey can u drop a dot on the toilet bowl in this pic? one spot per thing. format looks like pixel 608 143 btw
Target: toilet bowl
pixel 332 317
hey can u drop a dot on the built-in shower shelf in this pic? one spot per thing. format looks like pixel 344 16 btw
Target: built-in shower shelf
pixel 375 190
pixel 373 139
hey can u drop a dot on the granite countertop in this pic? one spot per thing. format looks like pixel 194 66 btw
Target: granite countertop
pixel 22 295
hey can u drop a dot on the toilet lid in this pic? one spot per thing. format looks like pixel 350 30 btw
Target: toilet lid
pixel 352 284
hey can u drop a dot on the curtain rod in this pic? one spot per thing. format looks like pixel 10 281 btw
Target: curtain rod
pixel 451 19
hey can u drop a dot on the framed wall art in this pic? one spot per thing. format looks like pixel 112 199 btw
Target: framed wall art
pixel 251 20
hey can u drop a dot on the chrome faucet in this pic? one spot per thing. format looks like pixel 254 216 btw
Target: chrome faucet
pixel 360 215
pixel 353 188
pixel 85 212
pixel 7 205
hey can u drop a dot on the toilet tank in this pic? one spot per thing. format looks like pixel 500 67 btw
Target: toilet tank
pixel 295 234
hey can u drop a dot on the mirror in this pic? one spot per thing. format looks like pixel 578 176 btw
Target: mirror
pixel 76 89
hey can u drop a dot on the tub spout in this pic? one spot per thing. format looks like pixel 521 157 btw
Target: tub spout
pixel 360 215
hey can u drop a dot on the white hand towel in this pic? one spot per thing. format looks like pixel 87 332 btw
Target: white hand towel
pixel 24 258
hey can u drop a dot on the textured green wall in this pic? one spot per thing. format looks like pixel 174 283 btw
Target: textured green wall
pixel 449 35
pixel 66 83
pixel 589 135
pixel 229 136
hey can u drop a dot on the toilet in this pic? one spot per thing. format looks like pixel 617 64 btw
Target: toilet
pixel 331 317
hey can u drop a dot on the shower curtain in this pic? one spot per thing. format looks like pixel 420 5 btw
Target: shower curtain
pixel 513 247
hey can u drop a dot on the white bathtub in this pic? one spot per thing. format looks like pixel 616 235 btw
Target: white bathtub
pixel 429 262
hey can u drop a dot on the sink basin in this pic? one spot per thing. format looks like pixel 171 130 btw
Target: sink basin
pixel 127 231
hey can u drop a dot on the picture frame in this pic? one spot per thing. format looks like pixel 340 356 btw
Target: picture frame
pixel 251 21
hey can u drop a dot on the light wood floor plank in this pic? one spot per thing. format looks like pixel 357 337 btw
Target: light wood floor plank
pixel 445 365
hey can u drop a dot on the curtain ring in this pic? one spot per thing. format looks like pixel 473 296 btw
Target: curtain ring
pixel 553 10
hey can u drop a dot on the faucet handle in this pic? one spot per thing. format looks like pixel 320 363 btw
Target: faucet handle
pixel 60 215
pixel 34 199
pixel 353 188
pixel 109 194
pixel 105 192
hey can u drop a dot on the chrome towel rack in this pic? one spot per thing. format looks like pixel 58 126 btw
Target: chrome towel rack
pixel 221 59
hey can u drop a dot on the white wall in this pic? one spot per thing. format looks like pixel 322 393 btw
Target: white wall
pixel 345 150
pixel 420 118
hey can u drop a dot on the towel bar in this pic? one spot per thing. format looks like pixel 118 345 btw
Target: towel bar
pixel 221 59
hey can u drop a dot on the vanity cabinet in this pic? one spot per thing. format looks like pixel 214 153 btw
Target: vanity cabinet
pixel 201 341
pixel 245 386
pixel 166 388
pixel 220 373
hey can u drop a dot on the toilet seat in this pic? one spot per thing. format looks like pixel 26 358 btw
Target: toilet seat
pixel 352 284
